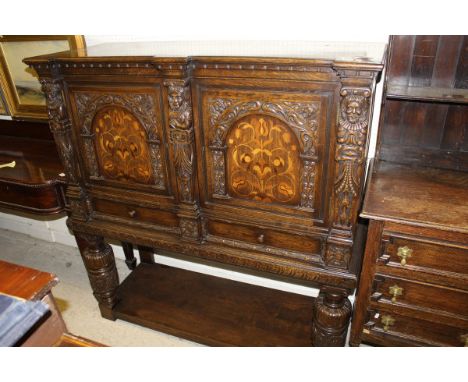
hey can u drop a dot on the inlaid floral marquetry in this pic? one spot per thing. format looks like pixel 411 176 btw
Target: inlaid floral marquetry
pixel 263 160
pixel 264 151
pixel 121 146
pixel 129 111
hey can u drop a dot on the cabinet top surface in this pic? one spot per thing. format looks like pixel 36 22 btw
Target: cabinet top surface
pixel 419 196
pixel 359 54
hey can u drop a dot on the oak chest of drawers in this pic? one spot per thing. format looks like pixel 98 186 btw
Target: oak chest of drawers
pixel 414 281
pixel 255 163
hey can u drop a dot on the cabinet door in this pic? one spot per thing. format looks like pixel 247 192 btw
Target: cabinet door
pixel 265 148
pixel 120 134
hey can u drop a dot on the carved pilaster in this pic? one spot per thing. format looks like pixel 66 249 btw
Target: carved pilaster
pixel 99 261
pixel 181 135
pixel 60 126
pixel 331 318
pixel 351 143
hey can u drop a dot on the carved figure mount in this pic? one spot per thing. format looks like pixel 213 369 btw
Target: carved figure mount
pixel 350 153
pixel 298 117
pixel 60 126
pixel 181 134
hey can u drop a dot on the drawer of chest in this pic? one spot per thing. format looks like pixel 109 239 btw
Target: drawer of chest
pixel 413 259
pixel 394 291
pixel 390 328
pixel 290 245
pixel 134 214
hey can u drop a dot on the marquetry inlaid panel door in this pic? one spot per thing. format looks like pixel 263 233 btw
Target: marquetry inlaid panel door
pixel 264 149
pixel 121 135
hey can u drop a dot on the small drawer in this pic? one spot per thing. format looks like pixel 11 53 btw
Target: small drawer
pixel 398 291
pixel 136 213
pixel 411 254
pixel 299 244
pixel 406 330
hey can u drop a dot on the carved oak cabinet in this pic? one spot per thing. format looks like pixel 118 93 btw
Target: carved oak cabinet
pixel 256 163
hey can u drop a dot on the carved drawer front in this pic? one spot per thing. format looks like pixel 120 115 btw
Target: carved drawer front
pixel 420 296
pixel 406 256
pixel 265 149
pixel 288 245
pixel 408 331
pixel 121 136
pixel 117 211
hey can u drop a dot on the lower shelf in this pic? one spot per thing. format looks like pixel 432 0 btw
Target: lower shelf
pixel 213 311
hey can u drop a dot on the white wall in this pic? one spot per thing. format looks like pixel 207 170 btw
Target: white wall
pixel 55 230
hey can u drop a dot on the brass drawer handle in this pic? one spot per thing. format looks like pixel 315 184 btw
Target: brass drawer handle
pixel 132 213
pixel 404 253
pixel 387 321
pixel 464 339
pixel 261 238
pixel 11 164
pixel 395 291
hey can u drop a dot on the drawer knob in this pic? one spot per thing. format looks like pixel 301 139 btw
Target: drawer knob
pixel 395 291
pixel 132 213
pixel 387 321
pixel 464 339
pixel 261 238
pixel 404 253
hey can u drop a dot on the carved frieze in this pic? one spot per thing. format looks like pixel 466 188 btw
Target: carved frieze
pixel 181 135
pixel 353 125
pixel 299 117
pixel 60 126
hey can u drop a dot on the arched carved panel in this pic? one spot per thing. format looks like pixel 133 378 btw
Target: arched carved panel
pixel 299 118
pixel 141 108
pixel 121 147
pixel 263 161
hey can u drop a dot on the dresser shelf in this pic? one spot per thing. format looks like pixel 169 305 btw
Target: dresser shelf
pixel 427 94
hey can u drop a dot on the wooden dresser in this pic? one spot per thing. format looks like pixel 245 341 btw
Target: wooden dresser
pixel 413 288
pixel 256 163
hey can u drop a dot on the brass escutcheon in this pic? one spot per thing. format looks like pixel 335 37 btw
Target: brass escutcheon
pixel 395 291
pixel 387 321
pixel 404 253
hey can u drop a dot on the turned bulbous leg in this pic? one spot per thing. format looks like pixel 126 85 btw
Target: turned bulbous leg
pixel 99 261
pixel 331 318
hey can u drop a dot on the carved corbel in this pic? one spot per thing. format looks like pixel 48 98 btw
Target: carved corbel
pixel 60 126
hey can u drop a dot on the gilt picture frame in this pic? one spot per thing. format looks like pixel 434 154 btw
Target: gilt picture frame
pixel 22 92
pixel 3 107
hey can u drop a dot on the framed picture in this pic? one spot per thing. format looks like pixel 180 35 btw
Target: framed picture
pixel 3 109
pixel 22 90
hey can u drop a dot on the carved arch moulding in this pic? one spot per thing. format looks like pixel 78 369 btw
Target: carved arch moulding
pixel 125 112
pixel 299 117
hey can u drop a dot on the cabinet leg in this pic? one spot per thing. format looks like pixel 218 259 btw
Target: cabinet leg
pixel 99 261
pixel 331 318
pixel 130 259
